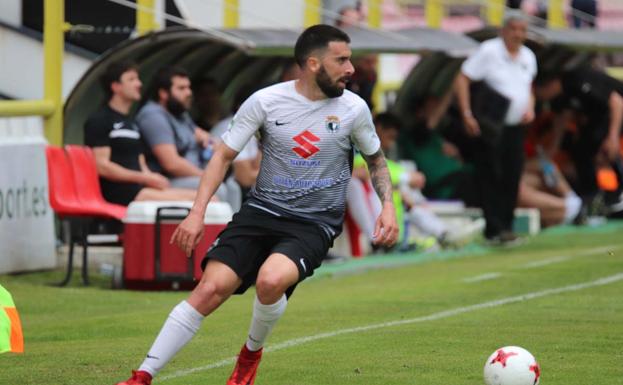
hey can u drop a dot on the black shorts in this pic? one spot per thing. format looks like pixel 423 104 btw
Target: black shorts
pixel 254 234
pixel 119 192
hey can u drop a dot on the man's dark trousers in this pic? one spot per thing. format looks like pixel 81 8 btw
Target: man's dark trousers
pixel 498 164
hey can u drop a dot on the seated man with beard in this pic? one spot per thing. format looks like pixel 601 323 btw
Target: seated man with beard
pixel 176 145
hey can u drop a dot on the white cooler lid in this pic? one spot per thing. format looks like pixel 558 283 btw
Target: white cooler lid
pixel 145 211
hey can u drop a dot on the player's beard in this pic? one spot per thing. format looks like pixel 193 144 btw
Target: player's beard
pixel 175 107
pixel 328 87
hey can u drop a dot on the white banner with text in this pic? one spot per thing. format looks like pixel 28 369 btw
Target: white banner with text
pixel 26 219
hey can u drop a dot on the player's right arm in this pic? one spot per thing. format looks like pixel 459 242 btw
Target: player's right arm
pixel 243 126
pixel 188 234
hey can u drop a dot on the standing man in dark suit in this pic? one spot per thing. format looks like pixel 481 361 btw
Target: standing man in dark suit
pixel 507 67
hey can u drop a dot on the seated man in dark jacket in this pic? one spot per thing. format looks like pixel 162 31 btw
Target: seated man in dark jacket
pixel 117 146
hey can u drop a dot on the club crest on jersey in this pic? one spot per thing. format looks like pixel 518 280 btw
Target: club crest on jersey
pixel 332 123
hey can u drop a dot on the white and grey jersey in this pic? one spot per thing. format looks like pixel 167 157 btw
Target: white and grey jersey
pixel 307 148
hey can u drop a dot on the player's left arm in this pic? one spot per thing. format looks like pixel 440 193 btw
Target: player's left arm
pixel 386 227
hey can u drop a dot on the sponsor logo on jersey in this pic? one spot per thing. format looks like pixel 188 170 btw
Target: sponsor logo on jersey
pixel 124 133
pixel 332 123
pixel 288 182
pixel 306 149
pixel 304 163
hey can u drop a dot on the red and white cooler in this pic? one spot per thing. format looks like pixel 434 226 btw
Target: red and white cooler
pixel 149 260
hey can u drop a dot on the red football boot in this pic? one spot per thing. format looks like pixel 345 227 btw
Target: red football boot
pixel 246 367
pixel 139 377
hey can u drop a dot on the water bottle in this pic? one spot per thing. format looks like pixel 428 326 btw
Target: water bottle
pixel 547 168
pixel 207 152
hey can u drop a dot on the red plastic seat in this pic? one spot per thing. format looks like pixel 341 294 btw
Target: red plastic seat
pixel 62 187
pixel 87 182
pixel 66 203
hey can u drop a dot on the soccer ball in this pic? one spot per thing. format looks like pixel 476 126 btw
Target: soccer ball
pixel 512 365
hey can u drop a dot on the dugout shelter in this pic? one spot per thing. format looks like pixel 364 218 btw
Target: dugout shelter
pixel 234 58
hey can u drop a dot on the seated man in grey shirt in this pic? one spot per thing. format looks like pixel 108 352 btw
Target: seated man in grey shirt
pixel 176 146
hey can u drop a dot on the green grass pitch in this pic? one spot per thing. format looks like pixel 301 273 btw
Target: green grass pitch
pixel 416 319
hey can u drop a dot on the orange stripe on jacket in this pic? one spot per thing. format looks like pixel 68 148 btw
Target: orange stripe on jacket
pixel 17 337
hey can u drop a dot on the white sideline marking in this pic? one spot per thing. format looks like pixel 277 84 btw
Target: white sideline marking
pixel 482 277
pixel 596 250
pixel 545 262
pixel 558 259
pixel 431 317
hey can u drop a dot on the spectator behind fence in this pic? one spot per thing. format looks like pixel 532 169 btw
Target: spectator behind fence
pixel 597 104
pixel 507 67
pixel 117 146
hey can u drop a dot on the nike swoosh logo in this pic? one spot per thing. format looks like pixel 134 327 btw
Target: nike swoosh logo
pixel 278 123
pixel 155 358
pixel 117 125
pixel 303 264
pixel 253 339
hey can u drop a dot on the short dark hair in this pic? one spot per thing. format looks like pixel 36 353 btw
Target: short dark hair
pixel 385 120
pixel 164 79
pixel 316 37
pixel 113 73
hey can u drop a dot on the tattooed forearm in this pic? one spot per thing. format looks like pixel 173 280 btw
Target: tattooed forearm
pixel 379 174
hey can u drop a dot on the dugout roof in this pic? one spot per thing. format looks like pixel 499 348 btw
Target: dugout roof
pixel 235 58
